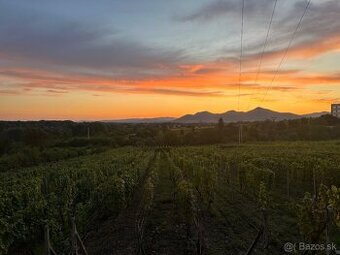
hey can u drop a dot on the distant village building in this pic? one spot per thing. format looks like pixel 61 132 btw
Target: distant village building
pixel 336 110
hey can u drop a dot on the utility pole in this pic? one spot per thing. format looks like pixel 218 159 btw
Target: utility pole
pixel 309 129
pixel 240 134
pixel 88 132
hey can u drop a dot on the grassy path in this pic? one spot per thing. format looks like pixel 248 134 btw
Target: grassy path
pixel 163 233
pixel 120 235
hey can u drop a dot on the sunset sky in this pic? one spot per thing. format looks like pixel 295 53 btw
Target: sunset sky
pixel 111 59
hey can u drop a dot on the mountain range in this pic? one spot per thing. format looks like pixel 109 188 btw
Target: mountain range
pixel 143 120
pixel 257 114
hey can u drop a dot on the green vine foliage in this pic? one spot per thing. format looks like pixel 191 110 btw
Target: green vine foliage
pixel 264 198
pixel 318 212
pixel 88 188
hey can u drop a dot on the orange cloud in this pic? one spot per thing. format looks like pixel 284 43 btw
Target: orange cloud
pixel 191 81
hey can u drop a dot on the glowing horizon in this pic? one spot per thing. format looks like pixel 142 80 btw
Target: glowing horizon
pixel 142 59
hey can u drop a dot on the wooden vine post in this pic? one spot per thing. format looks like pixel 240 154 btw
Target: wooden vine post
pixel 48 250
pixel 76 241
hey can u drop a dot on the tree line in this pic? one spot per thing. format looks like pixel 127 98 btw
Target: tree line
pixel 25 143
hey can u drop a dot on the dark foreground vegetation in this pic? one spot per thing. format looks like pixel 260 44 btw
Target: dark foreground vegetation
pixel 129 192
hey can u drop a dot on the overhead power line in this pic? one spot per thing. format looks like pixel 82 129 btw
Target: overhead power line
pixel 287 49
pixel 265 42
pixel 241 53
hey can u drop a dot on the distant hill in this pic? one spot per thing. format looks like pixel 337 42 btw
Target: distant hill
pixel 257 114
pixel 142 120
pixel 315 114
